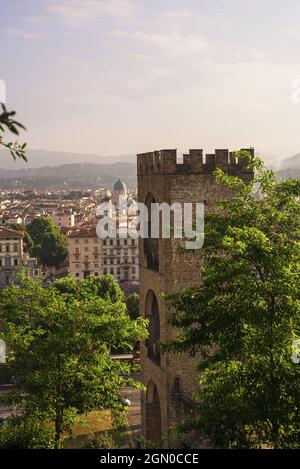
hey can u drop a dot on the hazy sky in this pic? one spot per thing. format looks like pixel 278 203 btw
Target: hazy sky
pixel 126 76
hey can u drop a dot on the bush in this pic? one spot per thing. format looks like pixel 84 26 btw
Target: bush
pixel 25 433
pixel 6 374
pixel 119 420
pixel 103 441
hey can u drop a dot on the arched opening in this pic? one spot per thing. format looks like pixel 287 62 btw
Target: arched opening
pixel 151 245
pixel 153 414
pixel 152 314
pixel 177 385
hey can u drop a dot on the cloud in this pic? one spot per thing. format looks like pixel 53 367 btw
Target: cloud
pixel 175 14
pixel 22 33
pixel 78 10
pixel 174 42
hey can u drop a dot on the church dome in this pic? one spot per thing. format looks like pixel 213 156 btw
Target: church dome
pixel 120 186
pixel 119 191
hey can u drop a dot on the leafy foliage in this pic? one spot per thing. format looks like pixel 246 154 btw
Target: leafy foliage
pixel 105 287
pixel 61 343
pixel 103 441
pixel 7 122
pixel 49 244
pixel 26 433
pixel 133 306
pixel 243 317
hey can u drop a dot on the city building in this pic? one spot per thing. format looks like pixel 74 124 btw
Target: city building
pixel 91 255
pixel 12 257
pixel 63 220
pixel 84 253
pixel 11 219
pixel 120 258
pixel 170 379
pixel 120 253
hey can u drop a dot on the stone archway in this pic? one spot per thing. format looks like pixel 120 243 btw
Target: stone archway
pixel 153 414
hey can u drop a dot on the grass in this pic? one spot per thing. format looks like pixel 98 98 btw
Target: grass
pixel 94 424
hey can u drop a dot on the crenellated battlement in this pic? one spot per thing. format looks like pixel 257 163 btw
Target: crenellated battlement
pixel 166 162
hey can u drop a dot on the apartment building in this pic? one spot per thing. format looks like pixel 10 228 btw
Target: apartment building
pixel 84 253
pixel 63 220
pixel 120 258
pixel 12 257
pixel 120 254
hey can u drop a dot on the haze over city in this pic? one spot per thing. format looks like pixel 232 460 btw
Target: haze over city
pixel 118 77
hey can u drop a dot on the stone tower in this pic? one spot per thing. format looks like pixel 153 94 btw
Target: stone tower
pixel 171 379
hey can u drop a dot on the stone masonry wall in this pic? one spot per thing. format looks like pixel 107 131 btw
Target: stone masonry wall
pixel 192 181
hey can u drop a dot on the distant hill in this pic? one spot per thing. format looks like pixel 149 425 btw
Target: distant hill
pixel 289 174
pixel 290 168
pixel 291 163
pixel 63 170
pixel 68 176
pixel 41 158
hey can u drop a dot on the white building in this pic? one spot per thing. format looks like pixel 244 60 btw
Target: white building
pixel 120 254
pixel 120 258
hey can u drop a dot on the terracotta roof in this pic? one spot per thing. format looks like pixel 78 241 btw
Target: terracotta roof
pixel 83 234
pixel 8 233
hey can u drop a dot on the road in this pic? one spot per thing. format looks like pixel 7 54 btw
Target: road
pixel 134 411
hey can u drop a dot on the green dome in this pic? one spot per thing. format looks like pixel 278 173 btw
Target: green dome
pixel 119 185
pixel 130 202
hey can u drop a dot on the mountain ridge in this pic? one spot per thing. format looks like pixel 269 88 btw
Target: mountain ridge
pixel 291 163
pixel 69 176
pixel 41 158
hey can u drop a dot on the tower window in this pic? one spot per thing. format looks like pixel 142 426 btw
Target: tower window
pixel 177 386
pixel 151 245
pixel 152 314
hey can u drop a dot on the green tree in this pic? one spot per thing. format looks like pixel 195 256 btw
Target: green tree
pixel 68 286
pixel 104 286
pixel 7 122
pixel 60 350
pixel 133 306
pixel 243 317
pixel 49 244
pixel 28 242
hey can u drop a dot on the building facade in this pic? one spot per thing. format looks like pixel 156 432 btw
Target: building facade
pixel 84 253
pixel 120 253
pixel 63 220
pixel 13 260
pixel 171 379
pixel 120 258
